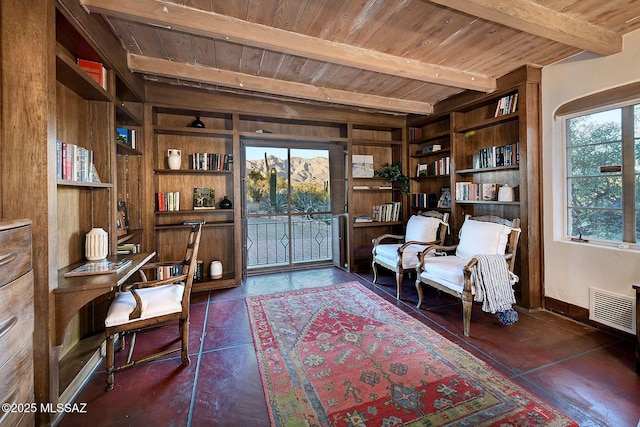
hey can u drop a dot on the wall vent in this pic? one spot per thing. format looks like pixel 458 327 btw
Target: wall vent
pixel 617 311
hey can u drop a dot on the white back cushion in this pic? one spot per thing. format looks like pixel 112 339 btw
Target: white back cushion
pixel 422 229
pixel 478 237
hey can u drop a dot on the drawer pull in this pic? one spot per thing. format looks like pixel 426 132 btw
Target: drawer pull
pixel 6 259
pixel 5 327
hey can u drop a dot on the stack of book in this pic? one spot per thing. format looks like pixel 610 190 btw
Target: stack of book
pixel 507 105
pixel 387 212
pixel 95 70
pixel 168 201
pixel 74 163
pixel 430 149
pixel 424 200
pixel 435 168
pixel 474 192
pixel 211 161
pixel 496 156
pixel 362 218
pixel 129 248
pixel 128 137
pixel 415 133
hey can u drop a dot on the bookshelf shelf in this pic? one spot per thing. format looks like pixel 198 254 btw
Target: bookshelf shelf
pixel 376 224
pixel 288 137
pixel 73 77
pixel 187 131
pixel 132 234
pixel 191 172
pixel 484 170
pixel 84 184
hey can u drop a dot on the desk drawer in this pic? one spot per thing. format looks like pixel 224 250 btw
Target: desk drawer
pixel 15 253
pixel 16 384
pixel 16 316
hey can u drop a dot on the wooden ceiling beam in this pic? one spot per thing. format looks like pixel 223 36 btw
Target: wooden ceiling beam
pixel 213 25
pixel 528 16
pixel 232 79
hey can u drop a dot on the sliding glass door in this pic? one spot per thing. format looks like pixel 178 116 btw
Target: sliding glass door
pixel 287 206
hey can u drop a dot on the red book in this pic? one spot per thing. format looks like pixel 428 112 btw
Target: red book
pixel 95 70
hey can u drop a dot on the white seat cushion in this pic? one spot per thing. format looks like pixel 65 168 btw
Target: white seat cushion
pixel 388 254
pixel 422 229
pixel 478 237
pixel 446 270
pixel 156 301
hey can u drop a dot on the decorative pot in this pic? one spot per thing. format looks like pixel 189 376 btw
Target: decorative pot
pixel 96 245
pixel 225 203
pixel 174 158
pixel 505 194
pixel 215 270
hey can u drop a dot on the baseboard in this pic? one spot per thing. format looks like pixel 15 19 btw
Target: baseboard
pixel 580 314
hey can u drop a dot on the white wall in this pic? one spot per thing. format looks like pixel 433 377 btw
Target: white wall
pixel 571 268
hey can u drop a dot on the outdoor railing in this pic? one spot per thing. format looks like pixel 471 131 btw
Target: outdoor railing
pixel 272 241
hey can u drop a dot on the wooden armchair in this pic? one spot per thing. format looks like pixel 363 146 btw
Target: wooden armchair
pixel 453 274
pixel 400 252
pixel 142 305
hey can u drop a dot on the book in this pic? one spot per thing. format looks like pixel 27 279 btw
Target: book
pixel 99 267
pixel 95 70
pixel 204 198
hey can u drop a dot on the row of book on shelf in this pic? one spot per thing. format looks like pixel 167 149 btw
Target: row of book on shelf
pixel 74 163
pixel 203 198
pixel 211 161
pixel 496 156
pixel 127 137
pixel 381 213
pixel 166 271
pixel 441 166
pixel 470 191
pixel 506 105
pixel 415 133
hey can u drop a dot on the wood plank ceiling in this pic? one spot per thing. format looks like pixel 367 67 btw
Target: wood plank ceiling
pixel 394 56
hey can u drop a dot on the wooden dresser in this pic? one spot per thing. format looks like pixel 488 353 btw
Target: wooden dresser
pixel 16 323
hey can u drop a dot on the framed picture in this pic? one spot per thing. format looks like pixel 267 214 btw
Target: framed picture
pixel 120 225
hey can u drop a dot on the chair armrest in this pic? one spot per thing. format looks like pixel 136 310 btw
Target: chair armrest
pixel 422 256
pixel 132 287
pixel 414 242
pixel 382 237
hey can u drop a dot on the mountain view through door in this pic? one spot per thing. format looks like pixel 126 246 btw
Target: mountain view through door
pixel 287 205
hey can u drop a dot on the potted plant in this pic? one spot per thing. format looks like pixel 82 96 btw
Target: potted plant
pixel 393 173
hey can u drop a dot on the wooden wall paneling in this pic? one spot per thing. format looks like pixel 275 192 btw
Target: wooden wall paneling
pixel 28 144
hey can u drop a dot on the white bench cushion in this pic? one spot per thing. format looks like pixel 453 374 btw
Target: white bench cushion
pixel 156 301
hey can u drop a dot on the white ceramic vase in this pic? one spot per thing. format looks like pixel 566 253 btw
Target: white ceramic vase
pixel 96 245
pixel 174 158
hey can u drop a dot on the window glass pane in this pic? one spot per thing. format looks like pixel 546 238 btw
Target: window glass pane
pixel 637 226
pixel 588 160
pixel 598 192
pixel 636 121
pixel 593 128
pixel 596 224
pixel 310 181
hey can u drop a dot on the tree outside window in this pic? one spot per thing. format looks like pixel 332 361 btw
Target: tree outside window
pixel 603 175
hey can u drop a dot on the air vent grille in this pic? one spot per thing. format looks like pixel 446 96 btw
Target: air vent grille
pixel 617 311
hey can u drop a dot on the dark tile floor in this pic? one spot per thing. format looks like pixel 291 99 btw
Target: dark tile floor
pixel 587 373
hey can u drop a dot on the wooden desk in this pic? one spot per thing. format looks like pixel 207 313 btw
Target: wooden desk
pixel 73 293
pixel 637 288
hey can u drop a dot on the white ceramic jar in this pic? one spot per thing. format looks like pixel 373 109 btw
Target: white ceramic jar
pixel 96 245
pixel 174 158
pixel 215 270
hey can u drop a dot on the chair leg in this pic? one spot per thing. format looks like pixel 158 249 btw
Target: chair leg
pixel 375 271
pixel 184 334
pixel 399 284
pixel 467 302
pixel 419 289
pixel 109 361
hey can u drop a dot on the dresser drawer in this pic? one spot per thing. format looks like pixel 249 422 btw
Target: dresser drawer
pixel 16 385
pixel 16 316
pixel 15 253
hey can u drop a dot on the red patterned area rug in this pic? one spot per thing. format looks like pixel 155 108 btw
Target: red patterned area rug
pixel 343 356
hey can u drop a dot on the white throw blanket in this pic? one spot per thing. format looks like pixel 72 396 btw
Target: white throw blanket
pixel 493 284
